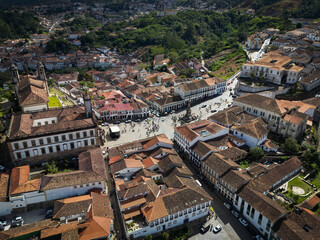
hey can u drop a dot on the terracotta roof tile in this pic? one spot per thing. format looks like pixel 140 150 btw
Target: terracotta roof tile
pixel 20 182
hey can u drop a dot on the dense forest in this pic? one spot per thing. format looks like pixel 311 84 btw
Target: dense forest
pixel 17 25
pixel 184 35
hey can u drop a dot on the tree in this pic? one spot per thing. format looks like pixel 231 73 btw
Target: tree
pixel 256 153
pixel 149 237
pixel 165 235
pixel 291 146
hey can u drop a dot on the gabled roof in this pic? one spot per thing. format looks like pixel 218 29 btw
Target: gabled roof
pixel 255 128
pixel 218 164
pixel 263 204
pixel 259 101
pixel 20 182
pixel 71 206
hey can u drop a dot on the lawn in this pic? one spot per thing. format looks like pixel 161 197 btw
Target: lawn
pixel 54 102
pixel 53 91
pixel 297 182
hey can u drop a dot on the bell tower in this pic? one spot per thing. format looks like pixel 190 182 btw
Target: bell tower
pixel 87 105
pixel 15 78
pixel 42 75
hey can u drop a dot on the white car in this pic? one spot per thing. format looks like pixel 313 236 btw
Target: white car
pixel 243 222
pixel 227 205
pixel 163 119
pixel 217 229
pixel 235 213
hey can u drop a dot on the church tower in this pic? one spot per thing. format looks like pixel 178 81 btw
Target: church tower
pixel 42 76
pixel 15 78
pixel 87 105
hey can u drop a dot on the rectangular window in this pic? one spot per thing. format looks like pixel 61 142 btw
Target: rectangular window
pixel 25 144
pixel 252 213
pixel 18 155
pixel 27 153
pixel 63 137
pixel 86 142
pixel 84 134
pixel 91 133
pixel 48 140
pixel 50 149
pixel 41 141
pixel 58 148
pixel 92 141
pixel 56 139
pixel 16 146
pixel 70 136
pixel 78 135
pixel 268 226
pixel 43 150
pixel 33 143
pixel 72 145
pixel 260 219
pixel 248 209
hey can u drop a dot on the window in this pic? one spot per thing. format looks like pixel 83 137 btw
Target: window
pixel 260 219
pixel 158 228
pixel 41 141
pixel 63 137
pixel 43 150
pixel 33 143
pixel 161 220
pixel 58 148
pixel 72 145
pixel 78 135
pixel 56 139
pixel 18 155
pixel 252 212
pixel 268 226
pixel 84 134
pixel 27 153
pixel 171 217
pixel 25 144
pixel 16 146
pixel 248 209
pixel 92 141
pixel 86 142
pixel 175 222
pixel 175 215
pixel 46 122
pixel 91 133
pixel 39 123
pixel 70 136
pixel 49 140
pixel 180 213
pixel 185 212
pixel 169 224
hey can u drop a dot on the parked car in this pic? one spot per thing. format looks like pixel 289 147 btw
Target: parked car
pixel 203 229
pixel 217 229
pixel 243 222
pixel 117 122
pixel 213 110
pixel 158 115
pixel 227 205
pixel 138 120
pixel 163 119
pixel 49 214
pixel 17 221
pixel 235 213
pixel 204 105
pixel 128 121
pixel 173 111
pixel 258 237
pixel 3 221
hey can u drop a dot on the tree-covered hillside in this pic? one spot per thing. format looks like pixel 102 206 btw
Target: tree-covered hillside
pixel 17 25
pixel 184 35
